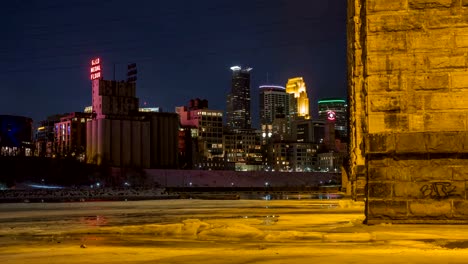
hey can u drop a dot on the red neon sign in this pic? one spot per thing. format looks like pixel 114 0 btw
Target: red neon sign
pixel 95 69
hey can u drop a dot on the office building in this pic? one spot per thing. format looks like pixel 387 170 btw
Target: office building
pixel 335 110
pixel 70 135
pixel 205 127
pixel 238 100
pixel 243 150
pixel 299 102
pixel 273 101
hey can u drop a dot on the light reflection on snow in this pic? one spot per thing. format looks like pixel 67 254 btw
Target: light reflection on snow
pixel 239 231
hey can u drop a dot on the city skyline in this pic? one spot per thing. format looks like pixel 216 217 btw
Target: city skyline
pixel 183 48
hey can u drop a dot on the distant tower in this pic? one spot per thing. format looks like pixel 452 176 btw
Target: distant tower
pixel 335 110
pixel 238 101
pixel 273 101
pixel 299 103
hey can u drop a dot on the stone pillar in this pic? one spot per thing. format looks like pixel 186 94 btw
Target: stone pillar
pixel 408 86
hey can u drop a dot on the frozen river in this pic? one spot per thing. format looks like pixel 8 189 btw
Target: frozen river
pixel 210 231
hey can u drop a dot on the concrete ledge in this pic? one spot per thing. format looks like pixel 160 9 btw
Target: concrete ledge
pixel 417 142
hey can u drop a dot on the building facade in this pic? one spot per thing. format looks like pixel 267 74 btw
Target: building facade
pixel 238 100
pixel 16 136
pixel 299 102
pixel 70 135
pixel 120 135
pixel 206 130
pixel 45 136
pixel 243 150
pixel 273 101
pixel 335 110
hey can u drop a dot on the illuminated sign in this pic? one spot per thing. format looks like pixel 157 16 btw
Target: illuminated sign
pixel 96 69
pixel 331 115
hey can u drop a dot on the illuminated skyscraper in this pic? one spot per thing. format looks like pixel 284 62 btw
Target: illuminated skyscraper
pixel 274 112
pixel 238 101
pixel 273 101
pixel 335 110
pixel 299 103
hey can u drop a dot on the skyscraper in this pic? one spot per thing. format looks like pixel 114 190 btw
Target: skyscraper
pixel 273 101
pixel 238 101
pixel 299 102
pixel 335 110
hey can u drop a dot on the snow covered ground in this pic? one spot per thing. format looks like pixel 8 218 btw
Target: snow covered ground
pixel 227 231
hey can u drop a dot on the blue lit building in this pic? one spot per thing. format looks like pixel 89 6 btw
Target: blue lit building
pixel 16 135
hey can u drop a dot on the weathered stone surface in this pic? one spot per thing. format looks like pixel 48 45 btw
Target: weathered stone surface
pixel 430 190
pixel 378 84
pixel 445 121
pixel 410 143
pixel 444 18
pixel 380 190
pixel 438 81
pixel 396 122
pixel 387 103
pixel 430 208
pixel 385 42
pixel 431 173
pixel 447 62
pixel 409 79
pixel 385 5
pixel 444 101
pixel 407 190
pixel 416 122
pixel 460 173
pixel 389 64
pixel 440 190
pixel 380 143
pixel 423 4
pixel 399 174
pixel 460 79
pixel 430 40
pixel 444 142
pixel 388 209
pixel 460 209
pixel 378 162
pixel 387 23
pixel 377 174
pixel 376 123
pixel 461 40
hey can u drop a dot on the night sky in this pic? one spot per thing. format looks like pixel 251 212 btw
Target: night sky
pixel 183 49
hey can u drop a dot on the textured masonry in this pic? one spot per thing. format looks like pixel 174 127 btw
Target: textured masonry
pixel 408 87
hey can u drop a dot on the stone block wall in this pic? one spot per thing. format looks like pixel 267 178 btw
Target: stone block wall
pixel 408 87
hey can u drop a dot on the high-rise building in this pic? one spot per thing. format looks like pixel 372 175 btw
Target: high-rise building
pixel 238 100
pixel 274 113
pixel 299 102
pixel 206 129
pixel 273 101
pixel 335 110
